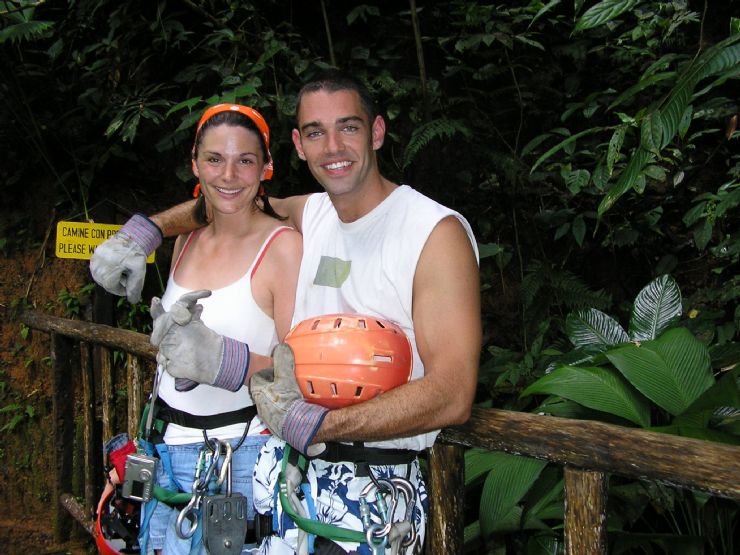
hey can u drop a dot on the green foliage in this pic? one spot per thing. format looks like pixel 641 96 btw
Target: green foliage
pixel 17 415
pixel 655 375
pixel 591 145
pixel 654 363
pixel 72 302
pixel 22 26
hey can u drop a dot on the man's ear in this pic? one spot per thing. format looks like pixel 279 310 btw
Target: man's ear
pixel 296 136
pixel 378 132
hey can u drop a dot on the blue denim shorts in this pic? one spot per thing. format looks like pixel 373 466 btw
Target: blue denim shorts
pixel 184 458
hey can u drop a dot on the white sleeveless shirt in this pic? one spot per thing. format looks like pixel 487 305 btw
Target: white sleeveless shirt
pixel 230 311
pixel 368 266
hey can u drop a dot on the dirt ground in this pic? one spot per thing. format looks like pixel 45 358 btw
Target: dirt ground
pixel 26 453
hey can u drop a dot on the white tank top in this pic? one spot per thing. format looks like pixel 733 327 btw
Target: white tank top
pixel 230 311
pixel 368 266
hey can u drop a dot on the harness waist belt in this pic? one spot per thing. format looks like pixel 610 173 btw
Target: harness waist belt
pixel 340 452
pixel 203 422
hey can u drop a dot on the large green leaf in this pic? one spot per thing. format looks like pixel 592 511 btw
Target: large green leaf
pixel 561 145
pixel 721 58
pixel 603 12
pixel 506 484
pixel 672 371
pixel 656 307
pixel 477 463
pixel 627 179
pixel 723 393
pixel 544 500
pixel 596 388
pixel 591 327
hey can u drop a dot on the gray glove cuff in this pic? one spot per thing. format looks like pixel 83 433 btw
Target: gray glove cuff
pixel 142 231
pixel 234 365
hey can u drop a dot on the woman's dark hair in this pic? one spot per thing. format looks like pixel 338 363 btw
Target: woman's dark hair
pixel 234 119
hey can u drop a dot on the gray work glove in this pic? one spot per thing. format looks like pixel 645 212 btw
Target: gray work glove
pixel 119 264
pixel 281 406
pixel 163 320
pixel 189 350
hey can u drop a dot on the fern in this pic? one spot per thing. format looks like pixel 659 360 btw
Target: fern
pixel 544 284
pixel 426 133
pixel 28 30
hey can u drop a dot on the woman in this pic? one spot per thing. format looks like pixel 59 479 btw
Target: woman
pixel 250 262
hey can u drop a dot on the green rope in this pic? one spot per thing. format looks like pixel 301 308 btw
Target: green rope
pixel 309 525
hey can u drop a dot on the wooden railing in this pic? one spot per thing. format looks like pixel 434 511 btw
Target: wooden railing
pixel 587 450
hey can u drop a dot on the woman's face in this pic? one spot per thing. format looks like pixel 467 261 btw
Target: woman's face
pixel 230 166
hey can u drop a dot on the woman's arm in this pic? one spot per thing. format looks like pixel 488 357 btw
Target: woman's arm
pixel 279 273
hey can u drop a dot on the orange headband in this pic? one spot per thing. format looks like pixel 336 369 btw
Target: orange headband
pixel 253 115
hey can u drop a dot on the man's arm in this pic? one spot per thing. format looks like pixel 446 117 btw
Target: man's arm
pixel 446 314
pixel 292 207
pixel 177 220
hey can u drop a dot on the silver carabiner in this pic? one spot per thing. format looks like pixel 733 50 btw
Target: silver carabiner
pixel 409 495
pixel 375 539
pixel 190 512
pixel 226 465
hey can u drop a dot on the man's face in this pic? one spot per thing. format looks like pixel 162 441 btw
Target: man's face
pixel 337 141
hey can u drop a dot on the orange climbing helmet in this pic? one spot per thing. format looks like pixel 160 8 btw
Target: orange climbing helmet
pixel 117 525
pixel 343 359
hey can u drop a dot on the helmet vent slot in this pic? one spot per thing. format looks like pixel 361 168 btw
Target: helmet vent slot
pixel 315 324
pixel 362 324
pixel 311 390
pixel 383 358
pixel 358 391
pixel 334 390
pixel 337 322
pixel 380 323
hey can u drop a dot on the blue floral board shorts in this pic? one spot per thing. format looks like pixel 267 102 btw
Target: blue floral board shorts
pixel 335 491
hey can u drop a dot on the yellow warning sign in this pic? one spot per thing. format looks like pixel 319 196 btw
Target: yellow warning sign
pixel 79 239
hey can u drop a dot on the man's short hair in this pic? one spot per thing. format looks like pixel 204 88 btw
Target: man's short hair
pixel 335 80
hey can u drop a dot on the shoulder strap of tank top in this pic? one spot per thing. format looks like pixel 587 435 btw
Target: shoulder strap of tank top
pixel 265 246
pixel 182 251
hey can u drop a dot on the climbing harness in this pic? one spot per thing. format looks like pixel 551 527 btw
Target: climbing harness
pixel 381 530
pixel 224 534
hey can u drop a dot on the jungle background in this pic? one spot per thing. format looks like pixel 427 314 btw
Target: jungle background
pixel 592 145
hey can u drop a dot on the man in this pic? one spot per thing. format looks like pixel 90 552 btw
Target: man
pixel 370 247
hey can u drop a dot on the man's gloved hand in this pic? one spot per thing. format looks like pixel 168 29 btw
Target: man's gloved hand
pixel 190 350
pixel 119 264
pixel 281 406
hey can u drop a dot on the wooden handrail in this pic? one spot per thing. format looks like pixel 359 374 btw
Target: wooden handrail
pixel 109 336
pixel 587 449
pixel 678 461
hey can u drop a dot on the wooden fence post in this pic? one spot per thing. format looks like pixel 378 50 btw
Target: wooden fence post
pixel 135 384
pixel 106 392
pixel 585 512
pixel 446 524
pixel 62 413
pixel 92 462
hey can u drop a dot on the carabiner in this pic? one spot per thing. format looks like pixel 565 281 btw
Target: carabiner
pixel 190 512
pixel 225 465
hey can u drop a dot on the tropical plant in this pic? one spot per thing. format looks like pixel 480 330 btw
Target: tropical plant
pixel 654 375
